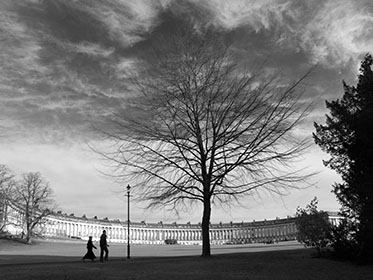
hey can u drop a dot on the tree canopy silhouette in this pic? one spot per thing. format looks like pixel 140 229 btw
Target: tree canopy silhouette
pixel 200 129
pixel 347 137
pixel 33 196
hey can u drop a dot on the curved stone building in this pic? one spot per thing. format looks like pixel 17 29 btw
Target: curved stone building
pixel 69 226
pixel 59 225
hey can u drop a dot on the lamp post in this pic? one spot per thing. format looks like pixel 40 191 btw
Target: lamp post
pixel 128 221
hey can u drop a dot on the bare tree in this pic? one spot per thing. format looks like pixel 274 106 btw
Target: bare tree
pixel 200 129
pixel 33 196
pixel 6 188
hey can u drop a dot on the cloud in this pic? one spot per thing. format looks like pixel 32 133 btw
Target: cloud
pixel 125 21
pixel 51 86
pixel 332 32
pixel 87 48
pixel 125 68
pixel 67 62
pixel 340 31
pixel 256 14
pixel 19 50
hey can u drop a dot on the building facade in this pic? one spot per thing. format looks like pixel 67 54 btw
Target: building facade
pixel 59 225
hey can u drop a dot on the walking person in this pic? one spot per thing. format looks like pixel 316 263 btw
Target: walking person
pixel 104 247
pixel 90 255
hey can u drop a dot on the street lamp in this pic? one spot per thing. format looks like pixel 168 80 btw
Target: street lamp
pixel 128 221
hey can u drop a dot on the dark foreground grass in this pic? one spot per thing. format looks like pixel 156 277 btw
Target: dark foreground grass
pixel 294 264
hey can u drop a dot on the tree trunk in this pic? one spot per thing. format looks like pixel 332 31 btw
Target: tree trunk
pixel 28 239
pixel 28 236
pixel 28 231
pixel 206 251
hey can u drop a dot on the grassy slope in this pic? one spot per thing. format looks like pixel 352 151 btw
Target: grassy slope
pixel 294 264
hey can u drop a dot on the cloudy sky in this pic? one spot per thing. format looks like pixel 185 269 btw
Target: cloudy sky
pixel 65 64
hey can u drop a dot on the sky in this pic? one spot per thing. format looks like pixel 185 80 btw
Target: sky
pixel 65 64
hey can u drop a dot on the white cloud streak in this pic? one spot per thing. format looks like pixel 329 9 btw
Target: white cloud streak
pixel 19 50
pixel 88 48
pixel 126 20
pixel 256 14
pixel 341 30
pixel 333 32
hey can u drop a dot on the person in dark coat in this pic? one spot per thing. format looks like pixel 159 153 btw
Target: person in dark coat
pixel 104 247
pixel 90 255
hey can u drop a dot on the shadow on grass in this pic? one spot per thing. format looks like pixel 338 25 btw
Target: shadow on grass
pixel 289 265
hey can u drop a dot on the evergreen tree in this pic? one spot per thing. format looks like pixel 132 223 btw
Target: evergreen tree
pixel 347 137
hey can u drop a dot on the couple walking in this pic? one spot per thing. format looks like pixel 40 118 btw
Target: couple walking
pixel 103 248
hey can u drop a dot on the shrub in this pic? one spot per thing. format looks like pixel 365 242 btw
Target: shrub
pixel 314 228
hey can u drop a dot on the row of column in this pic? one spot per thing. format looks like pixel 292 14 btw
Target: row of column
pixel 158 235
pixel 73 229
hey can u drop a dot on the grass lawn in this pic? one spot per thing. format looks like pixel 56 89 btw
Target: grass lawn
pixel 291 264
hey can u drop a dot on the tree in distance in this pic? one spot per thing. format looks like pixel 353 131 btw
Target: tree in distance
pixel 33 196
pixel 6 188
pixel 200 129
pixel 314 228
pixel 347 137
